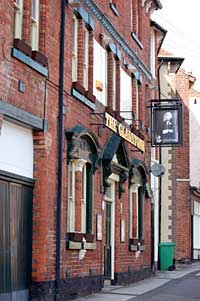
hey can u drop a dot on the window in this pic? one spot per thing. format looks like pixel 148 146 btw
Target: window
pixel 152 53
pixel 136 17
pixel 86 58
pixel 136 212
pixel 18 18
pixel 75 49
pixel 126 96
pixel 100 73
pixel 114 86
pixel 136 102
pixel 79 171
pixel 35 14
pixel 71 197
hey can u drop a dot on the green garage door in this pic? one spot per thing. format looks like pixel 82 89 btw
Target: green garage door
pixel 15 240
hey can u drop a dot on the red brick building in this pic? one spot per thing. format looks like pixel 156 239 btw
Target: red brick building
pixel 74 151
pixel 176 222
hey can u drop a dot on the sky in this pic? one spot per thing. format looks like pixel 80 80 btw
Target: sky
pixel 181 19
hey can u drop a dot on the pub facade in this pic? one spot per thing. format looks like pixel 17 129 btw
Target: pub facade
pixel 76 80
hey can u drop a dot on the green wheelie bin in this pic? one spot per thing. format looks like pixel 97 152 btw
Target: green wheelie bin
pixel 166 255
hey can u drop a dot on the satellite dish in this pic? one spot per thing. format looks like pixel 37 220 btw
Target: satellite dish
pixel 157 170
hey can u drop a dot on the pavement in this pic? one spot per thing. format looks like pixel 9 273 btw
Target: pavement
pixel 163 285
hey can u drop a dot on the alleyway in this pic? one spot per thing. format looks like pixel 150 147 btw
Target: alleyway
pixel 183 284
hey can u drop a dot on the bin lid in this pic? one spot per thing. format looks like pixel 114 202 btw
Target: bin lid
pixel 166 244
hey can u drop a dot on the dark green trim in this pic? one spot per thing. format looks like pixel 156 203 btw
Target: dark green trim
pixel 22 116
pixel 141 166
pixel 29 61
pixel 11 177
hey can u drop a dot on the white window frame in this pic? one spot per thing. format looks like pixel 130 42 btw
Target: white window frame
pixel 137 102
pixel 153 54
pixel 18 18
pixel 74 49
pixel 35 16
pixel 126 106
pixel 86 58
pixel 114 85
pixel 84 196
pixel 100 59
pixel 71 197
pixel 133 189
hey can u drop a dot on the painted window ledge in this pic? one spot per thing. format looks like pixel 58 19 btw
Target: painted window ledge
pixel 29 61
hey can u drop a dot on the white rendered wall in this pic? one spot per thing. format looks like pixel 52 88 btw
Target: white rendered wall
pixel 16 149
pixel 195 142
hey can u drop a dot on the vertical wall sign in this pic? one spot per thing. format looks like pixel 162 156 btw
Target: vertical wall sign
pixel 166 123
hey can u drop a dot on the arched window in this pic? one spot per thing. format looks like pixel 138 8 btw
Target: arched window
pixel 82 157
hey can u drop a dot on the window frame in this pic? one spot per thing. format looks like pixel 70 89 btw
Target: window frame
pixel 35 18
pixel 102 96
pixel 74 48
pixel 86 59
pixel 126 113
pixel 71 197
pixel 86 197
pixel 138 191
pixel 114 86
pixel 18 19
pixel 153 53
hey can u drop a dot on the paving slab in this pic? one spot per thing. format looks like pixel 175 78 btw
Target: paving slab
pixel 141 287
pixel 107 297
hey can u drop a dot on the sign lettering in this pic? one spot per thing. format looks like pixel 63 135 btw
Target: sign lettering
pixel 123 132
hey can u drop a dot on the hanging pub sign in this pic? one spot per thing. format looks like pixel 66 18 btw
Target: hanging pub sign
pixel 166 123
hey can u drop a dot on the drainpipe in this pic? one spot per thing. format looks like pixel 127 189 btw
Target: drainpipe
pixel 160 161
pixel 60 147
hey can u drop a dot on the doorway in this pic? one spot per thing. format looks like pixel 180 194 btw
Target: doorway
pixel 15 239
pixel 109 232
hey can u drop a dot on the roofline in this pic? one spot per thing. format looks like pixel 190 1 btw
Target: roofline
pixel 161 29
pixel 170 58
pixel 158 26
pixel 179 60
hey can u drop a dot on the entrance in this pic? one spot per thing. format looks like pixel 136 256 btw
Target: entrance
pixel 15 239
pixel 109 233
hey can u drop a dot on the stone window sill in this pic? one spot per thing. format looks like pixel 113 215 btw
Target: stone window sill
pixel 78 241
pixel 136 244
pixel 136 39
pixel 86 97
pixel 114 9
pixel 21 56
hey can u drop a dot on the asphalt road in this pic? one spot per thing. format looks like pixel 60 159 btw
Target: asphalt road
pixel 183 289
pixel 182 284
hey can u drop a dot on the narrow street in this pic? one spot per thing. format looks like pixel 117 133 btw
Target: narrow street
pixel 183 284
